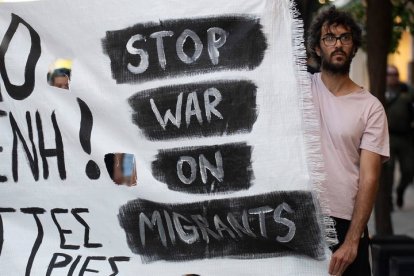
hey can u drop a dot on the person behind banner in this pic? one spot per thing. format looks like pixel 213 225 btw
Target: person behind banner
pixel 354 139
pixel 60 78
pixel 59 73
pixel 124 171
pixel 399 109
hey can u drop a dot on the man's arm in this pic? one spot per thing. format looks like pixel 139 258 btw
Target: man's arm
pixel 369 173
pixel 118 176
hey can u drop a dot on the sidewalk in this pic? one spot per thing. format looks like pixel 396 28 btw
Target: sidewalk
pixel 402 219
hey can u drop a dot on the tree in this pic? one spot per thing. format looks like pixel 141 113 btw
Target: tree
pixel 402 12
pixel 379 30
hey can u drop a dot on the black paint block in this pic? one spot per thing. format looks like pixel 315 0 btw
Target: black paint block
pixel 20 92
pixel 203 229
pixel 230 109
pixel 231 165
pixel 243 48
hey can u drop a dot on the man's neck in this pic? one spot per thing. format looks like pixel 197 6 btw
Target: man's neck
pixel 339 84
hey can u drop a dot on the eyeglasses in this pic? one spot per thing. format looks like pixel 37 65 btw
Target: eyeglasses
pixel 330 39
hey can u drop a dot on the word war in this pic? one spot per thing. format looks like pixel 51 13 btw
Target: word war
pixel 195 110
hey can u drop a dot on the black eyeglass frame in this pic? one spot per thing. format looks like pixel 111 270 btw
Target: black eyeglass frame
pixel 341 37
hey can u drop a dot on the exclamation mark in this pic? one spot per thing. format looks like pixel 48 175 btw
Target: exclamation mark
pixel 92 170
pixel 2 114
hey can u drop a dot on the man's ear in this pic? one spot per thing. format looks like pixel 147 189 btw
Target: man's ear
pixel 318 51
pixel 354 50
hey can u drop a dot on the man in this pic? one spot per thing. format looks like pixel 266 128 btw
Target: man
pixel 399 109
pixel 60 78
pixel 354 139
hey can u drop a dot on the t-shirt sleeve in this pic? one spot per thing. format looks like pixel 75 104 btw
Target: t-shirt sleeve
pixel 375 137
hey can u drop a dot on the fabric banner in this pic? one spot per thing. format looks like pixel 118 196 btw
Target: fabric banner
pixel 183 141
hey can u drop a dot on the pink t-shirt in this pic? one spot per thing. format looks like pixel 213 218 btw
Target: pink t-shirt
pixel 348 124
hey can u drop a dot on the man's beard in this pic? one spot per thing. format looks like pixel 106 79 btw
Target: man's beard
pixel 337 69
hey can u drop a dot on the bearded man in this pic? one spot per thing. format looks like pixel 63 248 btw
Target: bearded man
pixel 354 139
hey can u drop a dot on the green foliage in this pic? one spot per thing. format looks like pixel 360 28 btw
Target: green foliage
pixel 402 13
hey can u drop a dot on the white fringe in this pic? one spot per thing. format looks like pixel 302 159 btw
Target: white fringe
pixel 311 126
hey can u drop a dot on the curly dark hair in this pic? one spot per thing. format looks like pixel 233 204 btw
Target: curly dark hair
pixel 331 17
pixel 59 72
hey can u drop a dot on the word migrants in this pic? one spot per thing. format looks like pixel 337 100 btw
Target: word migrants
pixel 274 224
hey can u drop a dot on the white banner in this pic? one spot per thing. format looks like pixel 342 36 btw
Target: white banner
pixel 184 143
